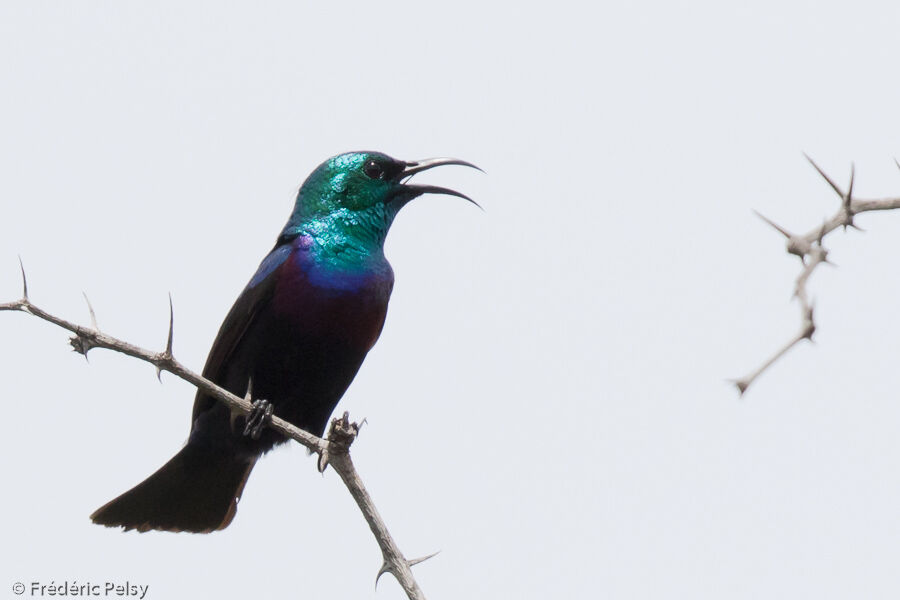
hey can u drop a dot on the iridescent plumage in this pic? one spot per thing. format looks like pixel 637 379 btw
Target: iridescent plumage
pixel 298 333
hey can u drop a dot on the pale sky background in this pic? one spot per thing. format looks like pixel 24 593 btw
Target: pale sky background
pixel 548 403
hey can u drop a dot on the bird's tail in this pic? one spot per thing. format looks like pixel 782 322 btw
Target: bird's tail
pixel 197 491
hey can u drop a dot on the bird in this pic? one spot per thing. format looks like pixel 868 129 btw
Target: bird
pixel 295 338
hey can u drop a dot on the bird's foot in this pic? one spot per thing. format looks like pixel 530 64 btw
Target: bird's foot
pixel 258 417
pixel 340 435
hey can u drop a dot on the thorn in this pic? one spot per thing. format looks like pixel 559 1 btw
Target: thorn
pixel 778 228
pixel 385 568
pixel 897 162
pixel 824 176
pixel 159 374
pixel 321 465
pixel 91 310
pixel 171 327
pixel 249 395
pixel 849 195
pixel 848 200
pixel 796 245
pixel 414 561
pixel 24 280
pixel 741 385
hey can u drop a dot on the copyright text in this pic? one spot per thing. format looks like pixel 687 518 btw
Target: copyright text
pixel 105 589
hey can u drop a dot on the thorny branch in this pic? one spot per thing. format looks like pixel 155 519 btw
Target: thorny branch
pixel 812 253
pixel 333 450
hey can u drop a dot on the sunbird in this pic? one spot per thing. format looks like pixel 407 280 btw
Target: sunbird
pixel 296 337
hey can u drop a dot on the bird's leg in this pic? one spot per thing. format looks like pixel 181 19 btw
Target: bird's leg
pixel 258 417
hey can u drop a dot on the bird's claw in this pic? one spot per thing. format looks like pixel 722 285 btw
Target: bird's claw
pixel 258 417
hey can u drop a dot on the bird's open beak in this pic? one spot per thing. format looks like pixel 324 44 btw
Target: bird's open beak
pixel 412 191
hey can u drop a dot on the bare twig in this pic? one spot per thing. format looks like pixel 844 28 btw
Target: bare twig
pixel 342 433
pixel 812 253
pixel 335 449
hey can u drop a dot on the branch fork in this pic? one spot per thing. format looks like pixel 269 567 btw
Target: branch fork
pixel 812 252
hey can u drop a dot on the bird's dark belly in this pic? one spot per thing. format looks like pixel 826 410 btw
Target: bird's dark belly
pixel 300 354
pixel 307 358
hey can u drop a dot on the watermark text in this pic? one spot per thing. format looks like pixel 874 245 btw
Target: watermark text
pixel 74 588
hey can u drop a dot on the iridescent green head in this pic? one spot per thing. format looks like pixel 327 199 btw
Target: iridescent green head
pixel 354 197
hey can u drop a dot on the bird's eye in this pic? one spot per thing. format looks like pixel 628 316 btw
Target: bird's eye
pixel 373 169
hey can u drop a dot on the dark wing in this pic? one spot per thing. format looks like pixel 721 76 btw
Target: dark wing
pixel 240 319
